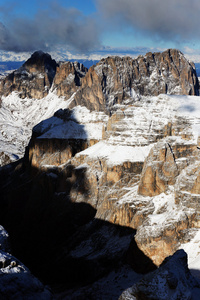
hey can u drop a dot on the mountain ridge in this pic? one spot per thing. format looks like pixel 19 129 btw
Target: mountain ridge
pixel 108 172
pixel 152 74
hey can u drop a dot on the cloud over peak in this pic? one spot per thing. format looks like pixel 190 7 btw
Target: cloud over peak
pixel 174 21
pixel 50 27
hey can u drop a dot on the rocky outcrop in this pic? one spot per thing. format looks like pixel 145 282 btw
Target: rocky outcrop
pixel 172 280
pixel 101 185
pixel 68 78
pixel 164 164
pixel 33 79
pixel 116 79
pixel 187 187
pixel 159 239
pixel 54 151
pixel 121 184
pixel 111 81
pixel 58 139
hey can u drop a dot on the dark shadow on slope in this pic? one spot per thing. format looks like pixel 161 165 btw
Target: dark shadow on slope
pixel 53 229
pixel 196 273
pixel 61 241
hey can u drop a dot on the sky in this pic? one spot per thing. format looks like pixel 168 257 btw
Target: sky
pixel 88 26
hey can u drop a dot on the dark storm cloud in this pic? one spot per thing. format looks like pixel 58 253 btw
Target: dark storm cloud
pixel 56 25
pixel 171 19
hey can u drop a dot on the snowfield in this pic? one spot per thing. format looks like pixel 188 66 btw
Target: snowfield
pixel 18 117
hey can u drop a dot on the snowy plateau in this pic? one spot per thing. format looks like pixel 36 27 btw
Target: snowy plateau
pixel 100 177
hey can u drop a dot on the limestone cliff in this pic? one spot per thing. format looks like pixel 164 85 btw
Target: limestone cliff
pixel 68 78
pixel 111 189
pixel 133 166
pixel 116 79
pixel 111 81
pixel 33 79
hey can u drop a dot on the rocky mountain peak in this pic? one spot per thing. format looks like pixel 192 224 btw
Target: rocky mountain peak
pixel 40 62
pixel 116 79
pixel 107 191
pixel 111 81
pixel 33 80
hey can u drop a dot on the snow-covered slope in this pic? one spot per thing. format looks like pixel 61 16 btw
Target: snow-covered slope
pixel 139 124
pixel 126 137
pixel 18 117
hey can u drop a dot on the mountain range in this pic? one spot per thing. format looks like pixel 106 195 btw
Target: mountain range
pixel 100 175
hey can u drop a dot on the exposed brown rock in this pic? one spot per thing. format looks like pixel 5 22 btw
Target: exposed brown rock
pixel 54 151
pixel 187 188
pixel 68 78
pixel 161 242
pixel 67 182
pixel 115 79
pixel 33 79
pixel 111 81
pixel 162 166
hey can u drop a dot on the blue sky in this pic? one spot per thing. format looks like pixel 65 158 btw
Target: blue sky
pixel 87 25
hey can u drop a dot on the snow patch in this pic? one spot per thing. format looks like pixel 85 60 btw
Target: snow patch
pixel 116 155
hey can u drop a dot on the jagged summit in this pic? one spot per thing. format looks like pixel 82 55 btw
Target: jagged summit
pixel 116 79
pixel 111 81
pixel 40 62
pixel 39 74
pixel 33 79
pixel 108 191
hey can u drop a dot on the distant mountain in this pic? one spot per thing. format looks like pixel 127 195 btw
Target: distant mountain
pixel 114 81
pixel 8 66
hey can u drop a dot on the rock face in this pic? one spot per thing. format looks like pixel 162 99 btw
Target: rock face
pixel 110 188
pixel 116 79
pixel 113 80
pixel 187 186
pixel 172 280
pixel 163 164
pixel 33 79
pixel 58 140
pixel 39 73
pixel 129 168
pixel 68 78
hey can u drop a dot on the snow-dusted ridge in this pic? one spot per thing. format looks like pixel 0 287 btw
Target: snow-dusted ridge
pixel 18 117
pixel 116 155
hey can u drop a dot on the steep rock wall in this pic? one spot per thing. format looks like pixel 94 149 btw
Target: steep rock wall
pixel 116 79
pixel 33 79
